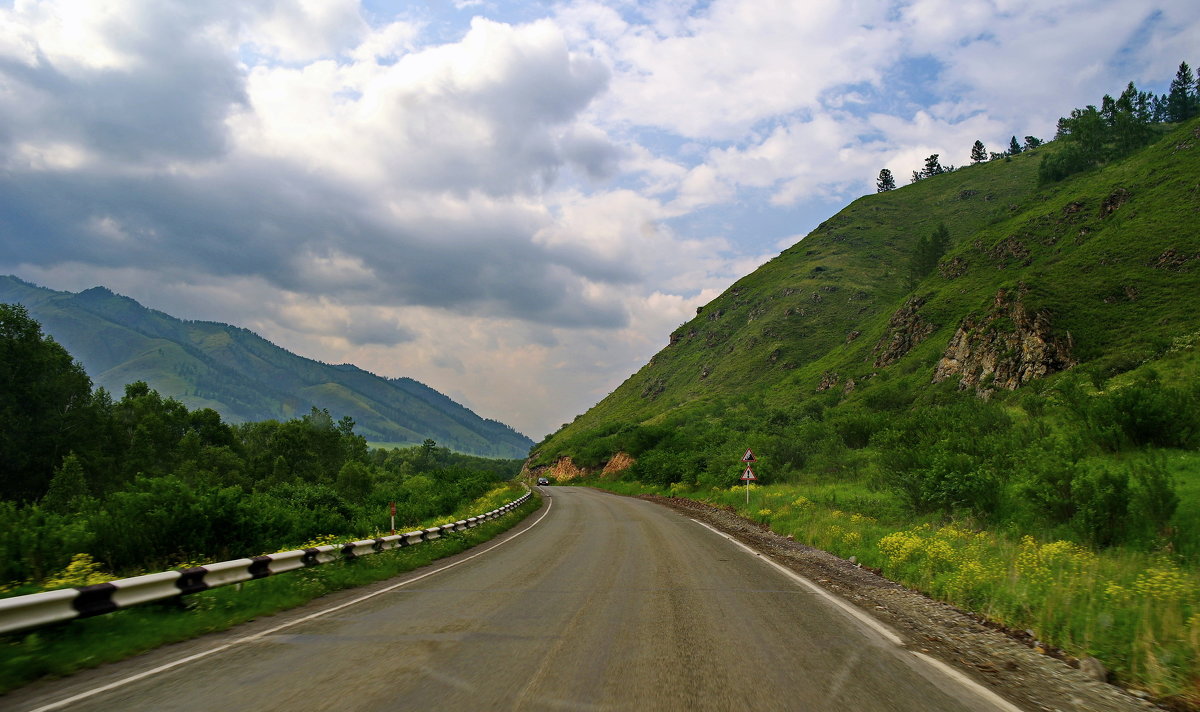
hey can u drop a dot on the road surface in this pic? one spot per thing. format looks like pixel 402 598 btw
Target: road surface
pixel 598 602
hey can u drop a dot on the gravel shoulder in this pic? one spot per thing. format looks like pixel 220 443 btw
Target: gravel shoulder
pixel 1008 662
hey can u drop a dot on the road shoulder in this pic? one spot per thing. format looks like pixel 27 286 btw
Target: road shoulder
pixel 1011 667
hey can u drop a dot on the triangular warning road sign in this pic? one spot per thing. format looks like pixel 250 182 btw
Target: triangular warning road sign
pixel 749 456
pixel 748 475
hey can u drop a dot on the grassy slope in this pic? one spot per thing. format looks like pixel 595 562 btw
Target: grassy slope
pixel 770 337
pixel 245 377
pixel 745 372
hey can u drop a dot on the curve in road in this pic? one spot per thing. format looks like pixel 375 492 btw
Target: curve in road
pixel 604 603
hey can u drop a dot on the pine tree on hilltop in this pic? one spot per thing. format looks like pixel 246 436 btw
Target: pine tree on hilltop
pixel 1014 146
pixel 1181 101
pixel 978 152
pixel 885 182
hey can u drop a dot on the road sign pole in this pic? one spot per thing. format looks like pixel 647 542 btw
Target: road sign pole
pixel 748 473
pixel 392 509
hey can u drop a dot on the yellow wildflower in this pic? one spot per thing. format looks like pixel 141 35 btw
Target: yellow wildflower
pixel 82 571
pixel 1164 584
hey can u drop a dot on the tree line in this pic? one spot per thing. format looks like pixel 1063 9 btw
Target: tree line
pixel 142 482
pixel 1090 136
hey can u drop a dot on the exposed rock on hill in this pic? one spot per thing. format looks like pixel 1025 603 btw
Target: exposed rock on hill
pixel 906 329
pixel 1005 348
pixel 619 463
pixel 1173 261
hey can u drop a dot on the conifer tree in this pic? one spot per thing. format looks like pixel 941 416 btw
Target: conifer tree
pixel 978 153
pixel 885 182
pixel 927 253
pixel 1032 142
pixel 1014 146
pixel 67 486
pixel 932 166
pixel 1181 101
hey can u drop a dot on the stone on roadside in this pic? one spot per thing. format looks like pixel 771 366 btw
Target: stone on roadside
pixel 1094 669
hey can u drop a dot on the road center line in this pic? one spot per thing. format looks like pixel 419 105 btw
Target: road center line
pixel 251 638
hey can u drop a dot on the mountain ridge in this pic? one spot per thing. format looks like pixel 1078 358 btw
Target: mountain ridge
pixel 244 376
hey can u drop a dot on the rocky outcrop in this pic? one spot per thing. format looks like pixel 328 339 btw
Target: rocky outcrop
pixel 565 469
pixel 619 463
pixel 1115 200
pixel 906 329
pixel 1173 260
pixel 1005 348
pixel 952 268
pixel 1010 249
pixel 829 379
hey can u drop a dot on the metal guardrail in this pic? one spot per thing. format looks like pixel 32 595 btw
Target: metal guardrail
pixel 38 609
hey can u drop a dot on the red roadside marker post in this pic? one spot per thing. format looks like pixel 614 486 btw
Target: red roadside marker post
pixel 392 508
pixel 748 474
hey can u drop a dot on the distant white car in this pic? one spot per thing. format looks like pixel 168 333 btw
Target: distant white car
pixel 543 481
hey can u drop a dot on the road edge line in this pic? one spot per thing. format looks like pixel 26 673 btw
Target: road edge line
pixel 879 628
pixel 957 676
pixel 79 697
pixel 966 681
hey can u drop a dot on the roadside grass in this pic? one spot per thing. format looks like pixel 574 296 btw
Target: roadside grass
pixel 1137 612
pixel 65 648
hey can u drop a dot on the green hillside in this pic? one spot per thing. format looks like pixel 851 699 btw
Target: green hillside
pixel 245 377
pixel 1106 263
pixel 1014 427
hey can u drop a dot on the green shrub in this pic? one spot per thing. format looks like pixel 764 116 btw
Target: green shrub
pixel 1101 496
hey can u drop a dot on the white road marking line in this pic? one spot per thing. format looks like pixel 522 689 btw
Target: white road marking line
pixel 858 615
pixel 967 682
pixel 251 638
pixel 980 690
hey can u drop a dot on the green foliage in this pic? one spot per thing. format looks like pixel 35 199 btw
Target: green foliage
pixel 45 403
pixel 1143 413
pixel 160 522
pixel 1154 500
pixel 978 152
pixel 947 458
pixel 61 650
pixel 1183 96
pixel 927 253
pixel 1101 497
pixel 35 541
pixel 885 182
pixel 149 484
pixel 354 481
pixel 1089 137
pixel 68 488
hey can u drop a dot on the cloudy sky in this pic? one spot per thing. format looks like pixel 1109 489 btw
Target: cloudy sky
pixel 513 202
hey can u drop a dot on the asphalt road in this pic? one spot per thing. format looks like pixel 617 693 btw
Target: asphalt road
pixel 599 603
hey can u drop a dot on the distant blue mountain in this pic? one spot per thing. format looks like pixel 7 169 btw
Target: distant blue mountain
pixel 243 376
